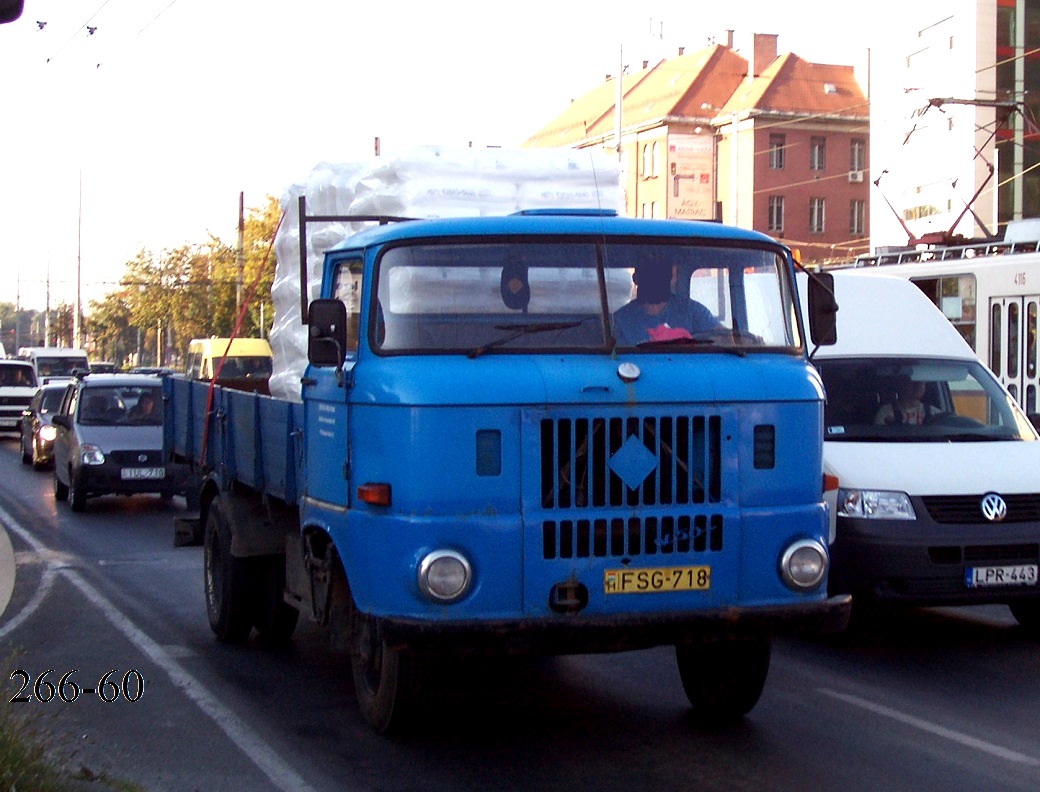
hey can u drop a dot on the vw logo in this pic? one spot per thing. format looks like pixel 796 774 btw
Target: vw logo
pixel 993 507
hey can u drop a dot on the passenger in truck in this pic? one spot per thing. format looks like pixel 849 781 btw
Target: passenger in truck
pixel 657 314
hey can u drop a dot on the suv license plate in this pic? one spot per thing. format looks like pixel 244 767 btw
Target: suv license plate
pixel 143 473
pixel 656 579
pixel 1017 575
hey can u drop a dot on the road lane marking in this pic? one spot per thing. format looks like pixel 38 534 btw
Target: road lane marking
pixel 251 744
pixel 7 570
pixel 934 728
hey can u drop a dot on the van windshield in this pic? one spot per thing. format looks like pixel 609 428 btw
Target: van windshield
pixel 917 400
pixel 60 366
pixel 529 295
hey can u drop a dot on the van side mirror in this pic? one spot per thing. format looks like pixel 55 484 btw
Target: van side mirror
pixel 823 309
pixel 62 421
pixel 327 334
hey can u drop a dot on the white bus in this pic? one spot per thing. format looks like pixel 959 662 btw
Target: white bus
pixel 991 293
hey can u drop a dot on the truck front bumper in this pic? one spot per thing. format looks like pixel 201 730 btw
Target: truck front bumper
pixel 576 634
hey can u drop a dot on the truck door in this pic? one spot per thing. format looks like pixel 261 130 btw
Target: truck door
pixel 326 436
pixel 1012 353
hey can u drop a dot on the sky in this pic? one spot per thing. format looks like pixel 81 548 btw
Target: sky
pixel 142 133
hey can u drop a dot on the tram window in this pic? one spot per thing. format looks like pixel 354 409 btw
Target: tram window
pixel 994 340
pixel 1030 403
pixel 1013 343
pixel 1031 339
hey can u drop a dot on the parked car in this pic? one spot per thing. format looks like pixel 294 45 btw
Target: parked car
pixel 37 430
pixel 17 386
pixel 109 440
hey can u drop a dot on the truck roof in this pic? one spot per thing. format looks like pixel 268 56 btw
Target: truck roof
pixel 537 222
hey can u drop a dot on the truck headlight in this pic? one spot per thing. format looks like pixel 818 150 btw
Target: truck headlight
pixel 874 504
pixel 803 565
pixel 91 455
pixel 444 576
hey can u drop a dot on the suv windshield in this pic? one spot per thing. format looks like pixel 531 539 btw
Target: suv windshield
pixel 917 400
pixel 120 404
pixel 585 295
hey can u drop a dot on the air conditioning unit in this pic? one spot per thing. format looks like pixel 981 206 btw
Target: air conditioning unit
pixel 855 176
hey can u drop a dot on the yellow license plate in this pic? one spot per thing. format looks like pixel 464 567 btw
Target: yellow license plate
pixel 656 580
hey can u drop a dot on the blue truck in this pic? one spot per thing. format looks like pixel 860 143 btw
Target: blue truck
pixel 549 432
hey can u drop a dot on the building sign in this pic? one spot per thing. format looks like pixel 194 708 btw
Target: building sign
pixel 691 194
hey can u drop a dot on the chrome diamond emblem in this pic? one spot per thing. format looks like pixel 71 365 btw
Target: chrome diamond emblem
pixel 993 507
pixel 633 462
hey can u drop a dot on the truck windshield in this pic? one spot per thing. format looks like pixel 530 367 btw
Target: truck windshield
pixel 530 296
pixel 917 400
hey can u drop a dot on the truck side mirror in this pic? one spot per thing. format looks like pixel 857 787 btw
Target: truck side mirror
pixel 823 309
pixel 327 338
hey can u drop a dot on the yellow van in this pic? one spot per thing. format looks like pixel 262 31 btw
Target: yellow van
pixel 247 365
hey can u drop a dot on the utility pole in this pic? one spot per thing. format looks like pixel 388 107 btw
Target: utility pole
pixel 241 253
pixel 76 329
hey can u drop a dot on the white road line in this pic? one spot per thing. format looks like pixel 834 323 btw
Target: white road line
pixel 259 753
pixel 933 728
pixel 7 570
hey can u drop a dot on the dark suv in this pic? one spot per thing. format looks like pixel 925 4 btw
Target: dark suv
pixel 110 438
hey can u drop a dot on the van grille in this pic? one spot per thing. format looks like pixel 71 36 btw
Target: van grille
pixel 630 461
pixel 956 509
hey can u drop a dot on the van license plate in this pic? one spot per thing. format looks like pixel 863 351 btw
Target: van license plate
pixel 143 473
pixel 1017 575
pixel 656 580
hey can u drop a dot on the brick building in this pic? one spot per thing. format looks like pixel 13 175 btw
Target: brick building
pixel 776 143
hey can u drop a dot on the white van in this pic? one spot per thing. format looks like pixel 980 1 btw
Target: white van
pixel 53 364
pixel 938 469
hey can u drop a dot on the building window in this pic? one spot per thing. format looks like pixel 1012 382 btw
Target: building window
pixel 776 152
pixel 653 160
pixel 644 169
pixel 815 215
pixel 817 154
pixel 857 155
pixel 776 213
pixel 857 210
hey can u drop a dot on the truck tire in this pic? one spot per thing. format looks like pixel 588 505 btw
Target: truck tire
pixel 385 678
pixel 61 492
pixel 275 620
pixel 723 680
pixel 227 581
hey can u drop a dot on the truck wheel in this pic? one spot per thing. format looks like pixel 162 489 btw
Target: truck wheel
pixel 275 620
pixel 724 680
pixel 61 492
pixel 78 501
pixel 384 677
pixel 1026 613
pixel 227 581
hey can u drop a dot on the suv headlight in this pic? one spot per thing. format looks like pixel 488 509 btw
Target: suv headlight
pixel 91 455
pixel 874 504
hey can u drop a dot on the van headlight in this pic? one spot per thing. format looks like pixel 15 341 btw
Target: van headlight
pixel 48 433
pixel 803 565
pixel 444 576
pixel 91 455
pixel 874 504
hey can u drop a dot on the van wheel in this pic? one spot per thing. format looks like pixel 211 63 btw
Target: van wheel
pixel 227 581
pixel 723 681
pixel 1027 613
pixel 61 492
pixel 79 495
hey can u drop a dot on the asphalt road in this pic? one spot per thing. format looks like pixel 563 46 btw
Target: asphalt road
pixel 932 699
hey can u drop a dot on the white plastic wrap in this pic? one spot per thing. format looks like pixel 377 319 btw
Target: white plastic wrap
pixel 423 182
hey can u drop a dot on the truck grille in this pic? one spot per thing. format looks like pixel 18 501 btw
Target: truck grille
pixel 600 538
pixel 954 509
pixel 631 461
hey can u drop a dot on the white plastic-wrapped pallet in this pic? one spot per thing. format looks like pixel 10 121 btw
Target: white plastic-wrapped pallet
pixel 422 182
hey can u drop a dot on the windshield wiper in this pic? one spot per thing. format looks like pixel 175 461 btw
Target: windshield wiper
pixel 519 330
